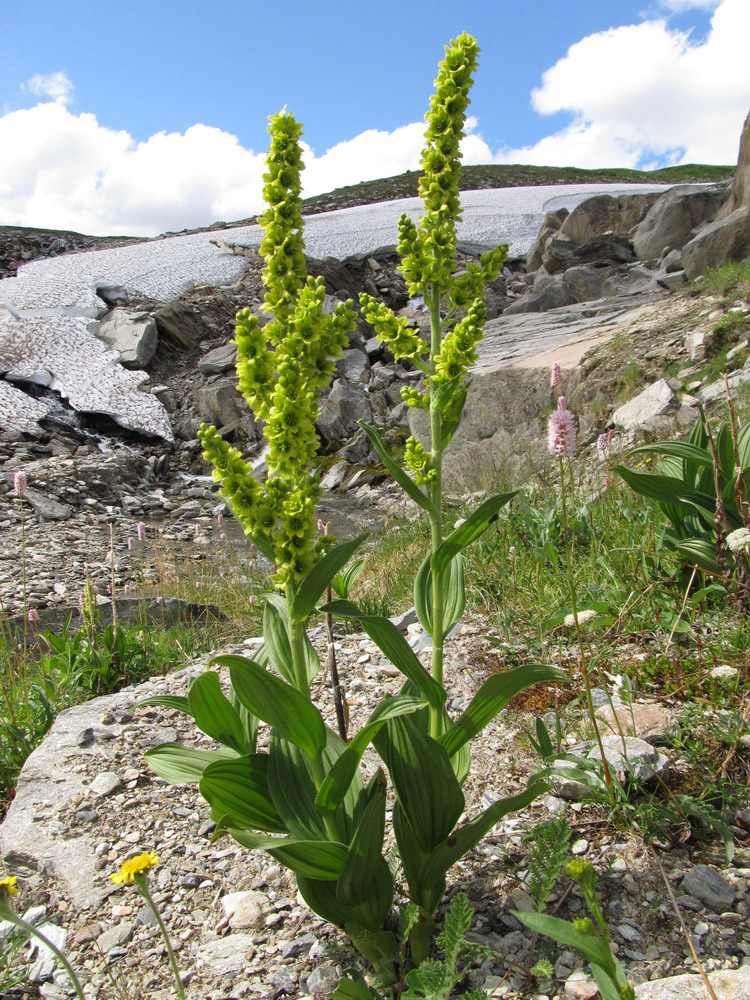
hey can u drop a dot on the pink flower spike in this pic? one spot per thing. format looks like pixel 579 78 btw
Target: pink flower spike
pixel 33 615
pixel 141 531
pixel 561 403
pixel 555 375
pixel 219 518
pixel 130 542
pixel 602 442
pixel 561 431
pixel 19 484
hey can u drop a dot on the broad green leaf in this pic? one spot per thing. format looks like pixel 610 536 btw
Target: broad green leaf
pixel 181 765
pixel 339 778
pixel 277 703
pixel 177 702
pixel 239 789
pixel 276 638
pixel 743 446
pixel 248 721
pixel 677 449
pixel 665 489
pixel 352 986
pixel 492 697
pixel 607 987
pixel 469 531
pixel 308 591
pixel 453 595
pixel 214 714
pixel 403 479
pixel 725 452
pixel 293 790
pixel 442 858
pixel 425 892
pixel 701 553
pixel 366 879
pixel 562 931
pixel 314 859
pixel 422 775
pixel 355 797
pixel 392 643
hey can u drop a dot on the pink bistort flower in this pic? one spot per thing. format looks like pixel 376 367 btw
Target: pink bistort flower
pixel 561 431
pixel 19 483
pixel 141 531
pixel 555 376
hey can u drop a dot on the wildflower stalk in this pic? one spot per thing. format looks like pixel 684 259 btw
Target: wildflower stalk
pixel 141 884
pixel 8 913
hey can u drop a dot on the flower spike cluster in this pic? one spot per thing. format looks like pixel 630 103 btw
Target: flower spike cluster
pixel 281 368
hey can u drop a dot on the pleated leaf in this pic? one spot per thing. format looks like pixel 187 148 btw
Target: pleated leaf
pixel 314 859
pixel 239 789
pixel 180 765
pixel 215 715
pixel 492 697
pixel 472 528
pixel 454 595
pixel 422 775
pixel 391 642
pixel 310 589
pixel 339 778
pixel 293 790
pixel 277 703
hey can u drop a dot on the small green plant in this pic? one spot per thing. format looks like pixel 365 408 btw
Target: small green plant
pixel 548 850
pixel 702 485
pixel 436 978
pixel 590 938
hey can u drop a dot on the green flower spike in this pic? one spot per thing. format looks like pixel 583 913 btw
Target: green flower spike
pixel 281 368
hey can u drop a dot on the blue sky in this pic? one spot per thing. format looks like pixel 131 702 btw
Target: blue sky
pixel 150 115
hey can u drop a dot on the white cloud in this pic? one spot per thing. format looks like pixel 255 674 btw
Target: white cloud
pixel 638 95
pixel 55 85
pixel 678 6
pixel 644 93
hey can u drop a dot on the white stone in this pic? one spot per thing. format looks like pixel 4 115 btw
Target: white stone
pixel 654 401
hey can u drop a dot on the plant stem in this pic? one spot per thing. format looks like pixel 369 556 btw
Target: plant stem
pixel 436 519
pixel 142 884
pixel 13 918
pixel 584 662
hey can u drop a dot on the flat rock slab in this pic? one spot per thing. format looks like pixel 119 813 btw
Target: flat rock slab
pixel 654 401
pixel 729 984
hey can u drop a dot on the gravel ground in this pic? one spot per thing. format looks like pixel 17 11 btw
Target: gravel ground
pixel 265 942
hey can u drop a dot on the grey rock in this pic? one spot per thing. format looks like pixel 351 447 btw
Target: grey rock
pixel 221 403
pixel 334 477
pixel 225 956
pixel 654 401
pixel 609 248
pixel 586 281
pixel 133 335
pixel 323 981
pixel 354 365
pixel 717 391
pixel 672 261
pixel 339 413
pixel 634 280
pixel 672 280
pixel 674 216
pixel 299 946
pixel 115 937
pixel 105 784
pixel 710 888
pixel 558 254
pixel 629 755
pixel 357 451
pixel 550 293
pixel 49 509
pixel 727 984
pixel 46 961
pixel 284 978
pixel 720 241
pixel 404 620
pixel 604 213
pixel 646 720
pixel 551 225
pixel 219 360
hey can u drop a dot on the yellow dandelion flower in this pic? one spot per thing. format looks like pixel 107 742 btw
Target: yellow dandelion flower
pixel 136 866
pixel 8 886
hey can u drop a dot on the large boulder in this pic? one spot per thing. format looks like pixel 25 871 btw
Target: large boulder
pixel 220 403
pixel 728 237
pixel 339 414
pixel 674 217
pixel 639 413
pixel 604 214
pixel 609 248
pixel 715 244
pixel 549 292
pixel 550 226
pixel 133 334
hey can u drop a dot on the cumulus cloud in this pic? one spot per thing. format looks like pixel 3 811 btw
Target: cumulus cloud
pixel 638 95
pixel 647 92
pixel 55 85
pixel 679 6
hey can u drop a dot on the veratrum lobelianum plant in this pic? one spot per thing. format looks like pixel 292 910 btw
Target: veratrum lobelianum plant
pixel 304 800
